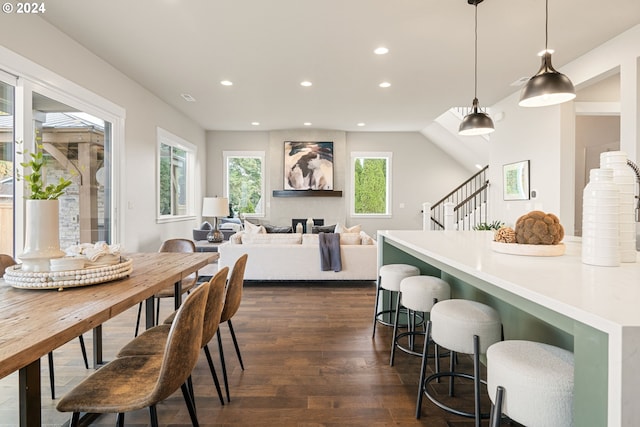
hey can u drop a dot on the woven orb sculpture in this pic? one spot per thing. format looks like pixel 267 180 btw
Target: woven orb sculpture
pixel 539 228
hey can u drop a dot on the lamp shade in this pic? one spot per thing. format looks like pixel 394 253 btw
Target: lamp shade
pixel 215 207
pixel 547 87
pixel 476 122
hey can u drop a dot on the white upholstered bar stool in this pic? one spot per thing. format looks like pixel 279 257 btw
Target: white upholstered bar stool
pixel 531 383
pixel 461 326
pixel 389 278
pixel 418 294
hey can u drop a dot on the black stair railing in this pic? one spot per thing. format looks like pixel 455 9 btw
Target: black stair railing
pixel 469 201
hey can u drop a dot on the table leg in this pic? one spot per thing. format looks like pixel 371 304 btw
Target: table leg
pixel 150 312
pixel 177 296
pixel 29 395
pixel 97 347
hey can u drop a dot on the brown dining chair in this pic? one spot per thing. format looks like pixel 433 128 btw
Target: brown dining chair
pixel 8 261
pixel 188 283
pixel 135 382
pixel 231 305
pixel 152 340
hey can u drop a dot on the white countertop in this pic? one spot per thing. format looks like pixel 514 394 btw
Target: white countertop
pixel 606 298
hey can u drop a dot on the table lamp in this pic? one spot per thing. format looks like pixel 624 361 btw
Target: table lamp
pixel 215 207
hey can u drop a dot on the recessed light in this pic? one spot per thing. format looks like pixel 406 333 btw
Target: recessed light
pixel 187 97
pixel 361 124
pixel 226 83
pixel 307 123
pixel 255 123
pixel 306 83
pixel 381 51
pixel 384 84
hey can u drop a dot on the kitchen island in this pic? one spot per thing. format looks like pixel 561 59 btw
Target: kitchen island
pixel 592 311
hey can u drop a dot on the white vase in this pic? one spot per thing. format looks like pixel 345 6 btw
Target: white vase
pixel 601 220
pixel 625 179
pixel 42 235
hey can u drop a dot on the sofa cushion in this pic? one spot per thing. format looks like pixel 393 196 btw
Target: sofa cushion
pixel 273 238
pixel 350 238
pixel 365 239
pixel 310 239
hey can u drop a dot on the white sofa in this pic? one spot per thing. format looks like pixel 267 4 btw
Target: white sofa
pixel 278 257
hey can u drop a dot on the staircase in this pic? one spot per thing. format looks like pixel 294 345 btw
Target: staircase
pixel 464 207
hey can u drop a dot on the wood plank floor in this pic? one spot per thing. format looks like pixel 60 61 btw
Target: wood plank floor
pixel 309 360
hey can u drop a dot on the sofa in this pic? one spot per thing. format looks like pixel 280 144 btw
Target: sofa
pixel 296 257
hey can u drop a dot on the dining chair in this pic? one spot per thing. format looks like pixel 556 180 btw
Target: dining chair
pixel 231 305
pixel 8 261
pixel 188 283
pixel 130 383
pixel 152 340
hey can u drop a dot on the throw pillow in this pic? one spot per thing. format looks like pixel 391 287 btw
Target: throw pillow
pixel 323 229
pixel 277 229
pixel 236 238
pixel 365 239
pixel 251 228
pixel 343 229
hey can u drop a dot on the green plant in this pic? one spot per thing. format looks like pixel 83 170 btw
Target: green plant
pixel 488 226
pixel 35 181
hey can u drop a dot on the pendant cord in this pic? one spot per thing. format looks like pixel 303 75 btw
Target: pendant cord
pixel 475 64
pixel 546 26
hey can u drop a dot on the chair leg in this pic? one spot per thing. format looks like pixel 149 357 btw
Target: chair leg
pixel 191 392
pixel 153 416
pixel 375 308
pixel 224 367
pixel 190 405
pixel 213 373
pixel 120 419
pixel 75 419
pixel 138 320
pixel 395 333
pixel 423 370
pixel 496 409
pixel 84 351
pixel 452 368
pixel 157 319
pixel 235 343
pixel 476 378
pixel 51 376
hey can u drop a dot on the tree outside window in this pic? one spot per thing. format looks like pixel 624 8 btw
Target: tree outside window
pixel 371 183
pixel 245 182
pixel 176 180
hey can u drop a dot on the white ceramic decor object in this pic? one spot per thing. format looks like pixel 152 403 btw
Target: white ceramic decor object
pixel 600 220
pixel 42 236
pixel 625 179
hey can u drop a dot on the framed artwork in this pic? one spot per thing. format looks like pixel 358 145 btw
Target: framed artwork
pixel 515 181
pixel 308 165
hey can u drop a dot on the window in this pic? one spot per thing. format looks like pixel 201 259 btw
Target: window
pixel 244 182
pixel 176 178
pixel 371 189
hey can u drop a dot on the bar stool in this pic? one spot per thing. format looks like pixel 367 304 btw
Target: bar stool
pixel 531 383
pixel 461 326
pixel 417 294
pixel 389 278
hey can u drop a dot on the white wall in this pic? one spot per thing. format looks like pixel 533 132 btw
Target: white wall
pixel 421 173
pixel 36 40
pixel 546 136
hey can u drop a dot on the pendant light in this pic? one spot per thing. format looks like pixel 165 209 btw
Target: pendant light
pixel 476 122
pixel 548 86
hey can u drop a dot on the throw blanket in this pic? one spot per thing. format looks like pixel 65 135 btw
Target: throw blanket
pixel 330 258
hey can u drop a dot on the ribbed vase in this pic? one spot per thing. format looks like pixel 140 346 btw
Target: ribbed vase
pixel 625 179
pixel 600 220
pixel 42 235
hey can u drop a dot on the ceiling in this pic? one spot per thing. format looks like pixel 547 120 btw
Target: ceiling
pixel 266 48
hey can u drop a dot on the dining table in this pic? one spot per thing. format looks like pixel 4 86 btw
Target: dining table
pixel 34 322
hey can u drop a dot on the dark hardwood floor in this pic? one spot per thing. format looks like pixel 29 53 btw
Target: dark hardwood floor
pixel 310 361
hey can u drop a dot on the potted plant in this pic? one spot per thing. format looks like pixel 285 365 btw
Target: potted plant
pixel 42 236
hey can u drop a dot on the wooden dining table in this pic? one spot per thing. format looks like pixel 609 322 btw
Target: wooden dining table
pixel 34 322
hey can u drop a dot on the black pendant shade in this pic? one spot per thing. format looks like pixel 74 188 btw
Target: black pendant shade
pixel 547 87
pixel 476 122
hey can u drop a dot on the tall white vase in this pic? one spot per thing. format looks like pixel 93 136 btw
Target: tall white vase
pixel 42 235
pixel 601 220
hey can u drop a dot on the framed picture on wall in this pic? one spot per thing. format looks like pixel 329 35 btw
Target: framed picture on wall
pixel 515 181
pixel 308 165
